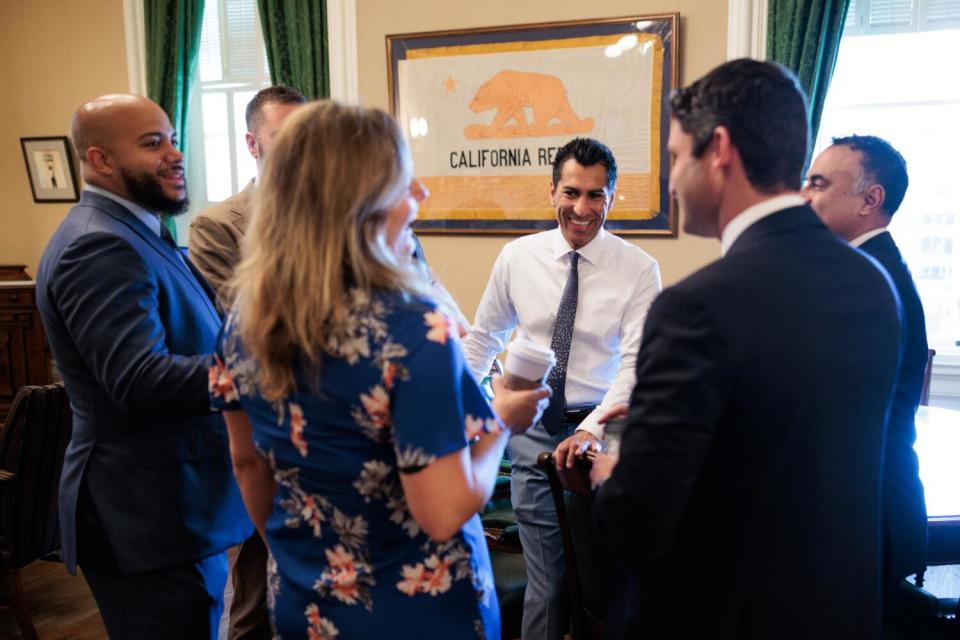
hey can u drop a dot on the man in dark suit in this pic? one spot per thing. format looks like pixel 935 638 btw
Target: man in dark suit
pixel 855 186
pixel 148 503
pixel 746 499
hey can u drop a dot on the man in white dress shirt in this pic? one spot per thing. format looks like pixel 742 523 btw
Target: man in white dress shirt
pixel 585 293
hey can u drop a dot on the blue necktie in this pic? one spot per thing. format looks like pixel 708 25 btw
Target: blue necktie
pixel 553 417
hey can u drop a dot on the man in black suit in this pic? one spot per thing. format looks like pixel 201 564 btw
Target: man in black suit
pixel 855 186
pixel 746 499
pixel 148 502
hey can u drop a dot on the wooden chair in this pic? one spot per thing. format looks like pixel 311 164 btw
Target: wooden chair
pixel 925 390
pixel 32 445
pixel 587 564
pixel 499 522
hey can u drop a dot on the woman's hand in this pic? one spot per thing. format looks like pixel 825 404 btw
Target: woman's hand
pixel 519 410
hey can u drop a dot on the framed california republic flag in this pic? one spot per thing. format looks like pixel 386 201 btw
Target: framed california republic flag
pixel 485 110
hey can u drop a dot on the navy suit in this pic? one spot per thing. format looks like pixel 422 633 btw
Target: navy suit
pixel 904 503
pixel 746 501
pixel 131 327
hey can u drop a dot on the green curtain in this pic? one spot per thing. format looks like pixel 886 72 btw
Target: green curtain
pixel 295 32
pixel 804 36
pixel 172 32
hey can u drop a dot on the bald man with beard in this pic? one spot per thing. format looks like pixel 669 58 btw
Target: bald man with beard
pixel 148 503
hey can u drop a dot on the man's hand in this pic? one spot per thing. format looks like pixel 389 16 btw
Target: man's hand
pixel 602 468
pixel 519 410
pixel 614 412
pixel 576 446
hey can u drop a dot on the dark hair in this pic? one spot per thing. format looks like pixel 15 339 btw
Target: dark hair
pixel 587 152
pixel 883 165
pixel 765 111
pixel 278 94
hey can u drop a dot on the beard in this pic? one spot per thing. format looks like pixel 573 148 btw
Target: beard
pixel 146 190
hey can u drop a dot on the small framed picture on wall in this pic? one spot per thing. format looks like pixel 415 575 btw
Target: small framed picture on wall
pixel 51 169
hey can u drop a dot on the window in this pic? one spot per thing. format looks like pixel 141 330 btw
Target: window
pixel 896 78
pixel 232 68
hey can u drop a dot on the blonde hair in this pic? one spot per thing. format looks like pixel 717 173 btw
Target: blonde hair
pixel 316 233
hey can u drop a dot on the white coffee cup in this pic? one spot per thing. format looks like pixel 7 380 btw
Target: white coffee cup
pixel 527 364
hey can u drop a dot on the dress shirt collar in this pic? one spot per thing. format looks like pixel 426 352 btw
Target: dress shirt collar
pixel 750 215
pixel 146 216
pixel 590 252
pixel 873 233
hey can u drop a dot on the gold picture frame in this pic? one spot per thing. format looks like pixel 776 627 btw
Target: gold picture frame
pixel 485 110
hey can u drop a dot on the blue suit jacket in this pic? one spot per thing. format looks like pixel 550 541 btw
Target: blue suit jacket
pixel 131 328
pixel 748 493
pixel 904 504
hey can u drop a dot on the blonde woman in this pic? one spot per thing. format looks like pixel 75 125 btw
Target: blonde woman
pixel 362 446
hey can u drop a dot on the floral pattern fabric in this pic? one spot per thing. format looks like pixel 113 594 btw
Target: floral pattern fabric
pixel 348 560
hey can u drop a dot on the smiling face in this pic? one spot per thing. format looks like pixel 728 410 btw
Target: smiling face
pixel 397 232
pixel 136 156
pixel 692 184
pixel 582 200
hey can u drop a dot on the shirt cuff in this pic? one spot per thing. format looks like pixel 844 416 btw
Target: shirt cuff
pixel 590 425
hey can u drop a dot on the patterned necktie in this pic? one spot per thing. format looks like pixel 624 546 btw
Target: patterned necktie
pixel 553 417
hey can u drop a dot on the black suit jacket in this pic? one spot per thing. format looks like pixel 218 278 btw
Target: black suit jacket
pixel 747 495
pixel 904 504
pixel 147 481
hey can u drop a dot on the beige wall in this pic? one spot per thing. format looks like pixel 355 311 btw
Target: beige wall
pixel 56 53
pixel 61 52
pixel 463 263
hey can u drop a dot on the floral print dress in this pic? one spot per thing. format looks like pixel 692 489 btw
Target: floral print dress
pixel 347 558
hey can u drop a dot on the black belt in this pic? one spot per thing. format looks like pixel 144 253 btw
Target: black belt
pixel 577 414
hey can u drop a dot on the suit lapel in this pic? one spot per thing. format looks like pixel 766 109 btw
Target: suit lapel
pixel 120 213
pixel 242 208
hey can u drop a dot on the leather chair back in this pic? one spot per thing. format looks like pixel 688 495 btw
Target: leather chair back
pixel 32 445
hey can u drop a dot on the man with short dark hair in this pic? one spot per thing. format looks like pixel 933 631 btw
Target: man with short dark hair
pixel 215 234
pixel 215 237
pixel 855 186
pixel 746 499
pixel 148 503
pixel 583 292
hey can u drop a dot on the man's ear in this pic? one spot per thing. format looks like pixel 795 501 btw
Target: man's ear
pixel 612 200
pixel 873 199
pixel 252 146
pixel 722 146
pixel 553 194
pixel 99 159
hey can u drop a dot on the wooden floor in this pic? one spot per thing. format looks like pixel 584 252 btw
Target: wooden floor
pixel 64 609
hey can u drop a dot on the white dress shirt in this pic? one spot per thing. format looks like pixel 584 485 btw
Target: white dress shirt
pixel 617 284
pixel 873 233
pixel 757 212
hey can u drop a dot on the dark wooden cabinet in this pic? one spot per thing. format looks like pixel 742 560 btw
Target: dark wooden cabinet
pixel 24 354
